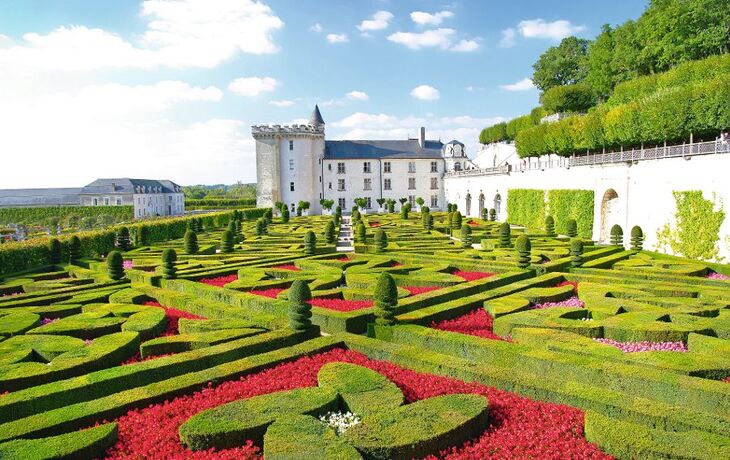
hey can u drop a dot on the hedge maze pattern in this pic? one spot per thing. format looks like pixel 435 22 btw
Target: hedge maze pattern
pixel 522 345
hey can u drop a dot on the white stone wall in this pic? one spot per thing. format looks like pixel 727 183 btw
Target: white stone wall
pixel 267 171
pixel 158 204
pixel 644 191
pixel 354 181
pixel 301 166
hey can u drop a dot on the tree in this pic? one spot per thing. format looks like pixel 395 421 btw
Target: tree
pixel 420 202
pixel 572 228
pixel 578 97
pixel 617 235
pixel 404 210
pixel 381 240
pixel 285 215
pixel 637 238
pixel 600 67
pixel 550 226
pixel 123 241
pixel 386 299
pixel 261 227
pixel 310 243
pixel 429 222
pixel 381 202
pixel 523 247
pixel 466 236
pixel 391 205
pixel 115 265
pixel 300 311
pixel 268 216
pixel 576 252
pixel 564 64
pixel 54 251
pixel 227 241
pixel 74 249
pixel 402 201
pixel 327 204
pixel 143 236
pixel 329 233
pixel 361 203
pixel 360 233
pixel 280 205
pixel 505 235
pixel 169 257
pixel 191 242
pixel 301 207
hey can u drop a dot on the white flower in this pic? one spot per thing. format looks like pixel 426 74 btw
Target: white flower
pixel 340 422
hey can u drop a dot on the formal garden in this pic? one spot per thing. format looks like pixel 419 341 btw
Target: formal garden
pixel 246 334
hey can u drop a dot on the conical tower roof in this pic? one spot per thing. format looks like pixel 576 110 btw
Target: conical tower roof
pixel 316 118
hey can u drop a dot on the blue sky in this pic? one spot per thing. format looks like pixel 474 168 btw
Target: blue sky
pixel 169 88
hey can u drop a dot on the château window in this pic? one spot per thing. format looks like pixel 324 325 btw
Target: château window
pixel 434 201
pixel 340 168
pixel 412 200
pixel 368 203
pixel 95 201
pixel 366 167
pixel 291 186
pixel 291 145
pixel 386 166
pixel 291 165
pixel 434 183
pixel 411 183
pixel 411 166
pixel 457 166
pixel 329 166
pixel 386 184
pixel 367 184
pixel 119 201
pixel 341 203
pixel 330 186
pixel 341 185
pixel 106 201
pixel 434 167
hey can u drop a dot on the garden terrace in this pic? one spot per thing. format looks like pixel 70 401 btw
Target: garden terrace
pixel 625 353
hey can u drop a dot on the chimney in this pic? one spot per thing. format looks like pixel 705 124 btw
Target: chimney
pixel 114 187
pixel 422 137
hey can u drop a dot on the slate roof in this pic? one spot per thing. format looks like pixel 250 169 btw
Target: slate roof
pixel 125 185
pixel 316 118
pixel 40 197
pixel 388 149
pixel 455 142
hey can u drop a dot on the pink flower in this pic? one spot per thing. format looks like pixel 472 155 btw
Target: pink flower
pixel 717 276
pixel 633 347
pixel 291 267
pixel 572 302
pixel 127 264
pixel 340 304
pixel 472 276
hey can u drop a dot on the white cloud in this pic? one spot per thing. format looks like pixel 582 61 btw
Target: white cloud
pixel 440 38
pixel 358 96
pixel 115 130
pixel 252 86
pixel 425 93
pixel 465 46
pixel 380 20
pixel 556 30
pixel 508 38
pixel 525 84
pixel 317 27
pixel 431 19
pixel 282 103
pixel 337 38
pixel 179 34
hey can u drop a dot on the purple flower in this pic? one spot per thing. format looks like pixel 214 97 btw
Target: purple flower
pixel 633 347
pixel 717 276
pixel 45 321
pixel 572 302
pixel 127 264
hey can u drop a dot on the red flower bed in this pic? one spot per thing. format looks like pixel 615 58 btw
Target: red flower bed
pixel 341 304
pixel 137 358
pixel 341 259
pixel 219 281
pixel 570 283
pixel 518 427
pixel 374 224
pixel 472 276
pixel 727 379
pixel 273 292
pixel 173 316
pixel 471 223
pixel 478 323
pixel 396 264
pixel 291 267
pixel 415 290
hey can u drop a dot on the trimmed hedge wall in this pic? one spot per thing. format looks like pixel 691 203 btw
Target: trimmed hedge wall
pixel 526 207
pixel 220 203
pixel 42 214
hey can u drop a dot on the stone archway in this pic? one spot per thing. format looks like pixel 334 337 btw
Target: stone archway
pixel 498 205
pixel 609 213
pixel 468 204
pixel 481 204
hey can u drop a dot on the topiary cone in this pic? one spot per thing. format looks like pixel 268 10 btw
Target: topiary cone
pixel 576 252
pixel 550 226
pixel 456 220
pixel 169 257
pixel 74 249
pixel 115 265
pixel 617 235
pixel 191 242
pixel 310 243
pixel 572 228
pixel 143 236
pixel 386 299
pixel 505 240
pixel 360 233
pixel 300 311
pixel 466 236
pixel 123 241
pixel 637 238
pixel 329 232
pixel 523 247
pixel 381 240
pixel 227 241
pixel 54 251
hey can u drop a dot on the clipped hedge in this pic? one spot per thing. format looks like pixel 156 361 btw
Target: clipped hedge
pixel 564 205
pixel 220 203
pixel 526 207
pixel 41 215
pixel 89 443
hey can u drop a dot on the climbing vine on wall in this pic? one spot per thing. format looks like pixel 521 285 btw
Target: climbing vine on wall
pixel 526 207
pixel 572 204
pixel 695 232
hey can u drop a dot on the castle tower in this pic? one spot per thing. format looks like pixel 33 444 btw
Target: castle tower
pixel 455 156
pixel 288 163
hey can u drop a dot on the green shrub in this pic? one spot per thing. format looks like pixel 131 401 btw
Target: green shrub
pixel 54 251
pixel 637 238
pixel 300 312
pixel 364 391
pixel 466 240
pixel 360 233
pixel 492 214
pixel 526 207
pixel 568 98
pixel 88 443
pixel 485 214
pixel 310 243
pixel 550 226
pixel 571 228
pixel 523 247
pixel 124 242
pixel 143 236
pixel 269 216
pixel 191 242
pixel 305 437
pixel 576 252
pixel 428 222
pixel 329 233
pixel 74 249
pixel 285 215
pixel 386 300
pixel 169 257
pixel 456 220
pixel 505 240
pixel 565 204
pixel 494 133
pixel 227 242
pixel 381 240
pixel 404 210
pixel 617 235
pixel 261 227
pixel 114 265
